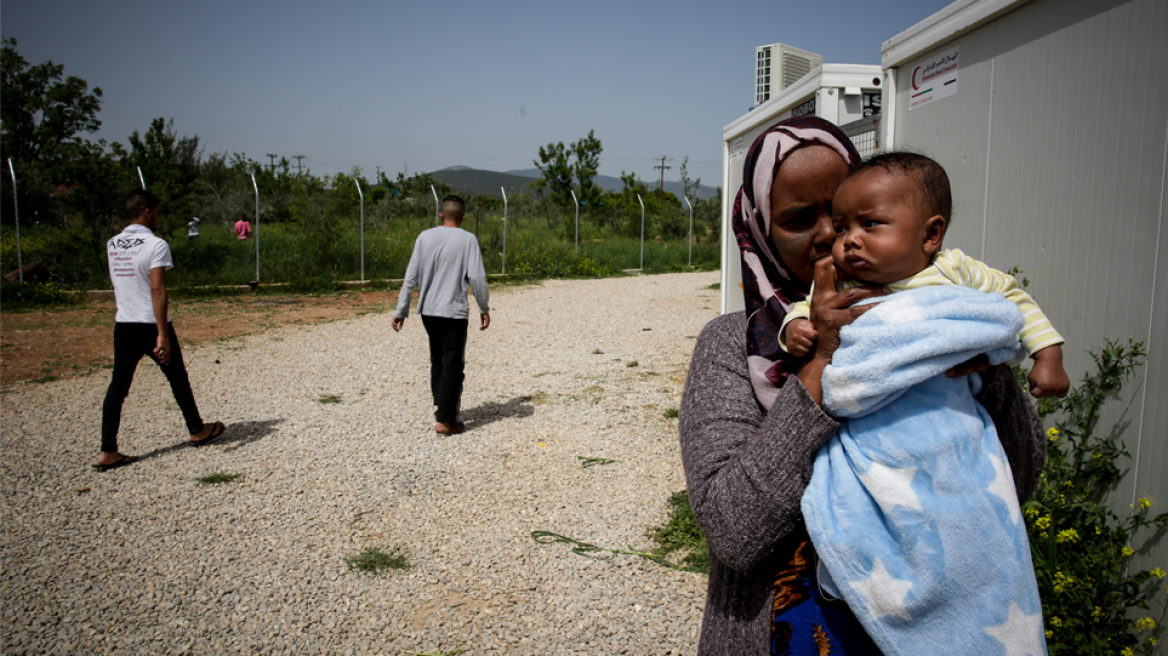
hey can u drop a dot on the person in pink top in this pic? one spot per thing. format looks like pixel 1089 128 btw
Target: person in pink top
pixel 242 227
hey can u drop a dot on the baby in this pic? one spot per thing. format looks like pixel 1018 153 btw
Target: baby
pixel 890 217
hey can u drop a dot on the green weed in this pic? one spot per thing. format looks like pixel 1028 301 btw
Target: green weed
pixel 682 534
pixel 671 413
pixel 329 398
pixel 375 561
pixel 218 478
pixel 586 462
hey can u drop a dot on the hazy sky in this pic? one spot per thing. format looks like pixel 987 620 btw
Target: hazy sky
pixel 430 84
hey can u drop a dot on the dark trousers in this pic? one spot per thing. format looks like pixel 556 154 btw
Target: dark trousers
pixel 131 342
pixel 447 357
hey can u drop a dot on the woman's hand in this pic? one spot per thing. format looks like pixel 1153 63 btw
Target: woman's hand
pixel 830 311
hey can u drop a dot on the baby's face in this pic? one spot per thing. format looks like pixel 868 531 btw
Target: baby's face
pixel 881 235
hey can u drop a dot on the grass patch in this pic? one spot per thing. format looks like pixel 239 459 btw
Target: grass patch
pixel 632 363
pixel 671 413
pixel 44 379
pixel 716 285
pixel 597 352
pixel 586 462
pixel 218 478
pixel 456 652
pixel 329 398
pixel 375 561
pixel 682 534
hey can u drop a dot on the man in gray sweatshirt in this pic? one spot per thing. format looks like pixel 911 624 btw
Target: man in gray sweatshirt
pixel 445 260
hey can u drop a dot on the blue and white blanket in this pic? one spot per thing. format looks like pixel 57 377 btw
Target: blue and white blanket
pixel 911 505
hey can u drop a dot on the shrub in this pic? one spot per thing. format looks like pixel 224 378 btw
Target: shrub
pixel 34 294
pixel 1082 549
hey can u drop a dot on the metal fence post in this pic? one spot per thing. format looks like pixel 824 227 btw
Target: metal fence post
pixel 642 232
pixel 690 229
pixel 577 204
pixel 504 229
pixel 16 210
pixel 257 228
pixel 435 204
pixel 358 183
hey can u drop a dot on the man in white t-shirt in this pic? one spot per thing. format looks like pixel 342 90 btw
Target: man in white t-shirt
pixel 138 261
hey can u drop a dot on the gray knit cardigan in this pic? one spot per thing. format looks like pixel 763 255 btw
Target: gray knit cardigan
pixel 746 470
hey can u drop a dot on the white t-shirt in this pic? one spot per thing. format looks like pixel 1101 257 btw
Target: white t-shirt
pixel 132 255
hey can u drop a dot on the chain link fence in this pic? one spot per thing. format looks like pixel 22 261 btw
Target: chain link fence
pixel 314 233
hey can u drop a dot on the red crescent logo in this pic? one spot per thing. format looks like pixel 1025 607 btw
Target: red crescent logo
pixel 914 78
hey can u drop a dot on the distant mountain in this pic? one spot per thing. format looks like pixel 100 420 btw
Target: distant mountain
pixel 486 183
pixel 610 183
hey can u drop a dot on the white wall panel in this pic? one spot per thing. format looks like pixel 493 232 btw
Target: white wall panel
pixel 1056 146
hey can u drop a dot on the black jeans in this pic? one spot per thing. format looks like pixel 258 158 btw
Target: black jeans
pixel 131 342
pixel 447 357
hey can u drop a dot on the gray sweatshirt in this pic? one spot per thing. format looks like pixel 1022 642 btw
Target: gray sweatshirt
pixel 445 260
pixel 746 469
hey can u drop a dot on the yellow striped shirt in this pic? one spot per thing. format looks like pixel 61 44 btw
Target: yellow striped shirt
pixel 952 267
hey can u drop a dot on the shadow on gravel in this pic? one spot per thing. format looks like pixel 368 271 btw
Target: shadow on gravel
pixel 489 413
pixel 235 436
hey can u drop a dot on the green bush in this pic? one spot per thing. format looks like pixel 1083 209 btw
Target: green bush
pixel 681 533
pixel 33 294
pixel 1082 549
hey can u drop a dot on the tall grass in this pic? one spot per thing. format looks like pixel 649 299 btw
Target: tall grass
pixel 318 254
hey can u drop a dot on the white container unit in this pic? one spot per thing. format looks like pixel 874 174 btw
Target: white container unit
pixel 1051 118
pixel 840 93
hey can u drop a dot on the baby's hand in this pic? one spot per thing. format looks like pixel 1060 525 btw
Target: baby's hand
pixel 1048 378
pixel 800 337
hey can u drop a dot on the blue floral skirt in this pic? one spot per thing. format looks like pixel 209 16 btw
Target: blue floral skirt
pixel 806 623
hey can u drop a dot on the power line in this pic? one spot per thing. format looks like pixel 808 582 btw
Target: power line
pixel 299 163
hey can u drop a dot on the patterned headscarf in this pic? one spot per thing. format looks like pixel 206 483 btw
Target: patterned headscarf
pixel 770 289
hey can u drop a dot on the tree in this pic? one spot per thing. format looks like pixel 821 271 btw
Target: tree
pixel 689 188
pixel 587 152
pixel 170 165
pixel 559 171
pixel 41 110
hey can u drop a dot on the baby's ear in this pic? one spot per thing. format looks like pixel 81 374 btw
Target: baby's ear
pixel 934 233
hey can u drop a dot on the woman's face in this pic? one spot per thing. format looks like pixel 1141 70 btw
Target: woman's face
pixel 801 207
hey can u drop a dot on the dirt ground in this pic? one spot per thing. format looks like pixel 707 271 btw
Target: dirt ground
pixel 44 344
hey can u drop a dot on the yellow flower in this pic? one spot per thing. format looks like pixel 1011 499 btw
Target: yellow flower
pixel 1061 583
pixel 1068 484
pixel 1031 512
pixel 1097 614
pixel 1098 531
pixel 1049 634
pixel 1042 523
pixel 1145 503
pixel 1145 624
pixel 1127 651
pixel 1069 535
pixel 1097 456
pixel 1158 573
pixel 1127 551
pixel 1056 621
pixel 1152 640
pixel 1053 434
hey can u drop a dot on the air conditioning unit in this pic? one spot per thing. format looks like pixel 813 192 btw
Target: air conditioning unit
pixel 778 66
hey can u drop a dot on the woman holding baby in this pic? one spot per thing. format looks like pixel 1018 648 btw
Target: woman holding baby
pixel 752 418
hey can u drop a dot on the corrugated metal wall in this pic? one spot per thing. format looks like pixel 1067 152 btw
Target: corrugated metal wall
pixel 1057 146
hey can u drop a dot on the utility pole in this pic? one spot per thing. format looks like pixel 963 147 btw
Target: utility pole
pixel 378 178
pixel 272 166
pixel 661 185
pixel 299 163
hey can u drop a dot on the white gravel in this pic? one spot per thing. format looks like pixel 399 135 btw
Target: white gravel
pixel 144 560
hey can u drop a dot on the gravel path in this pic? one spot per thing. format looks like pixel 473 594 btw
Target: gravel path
pixel 145 560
